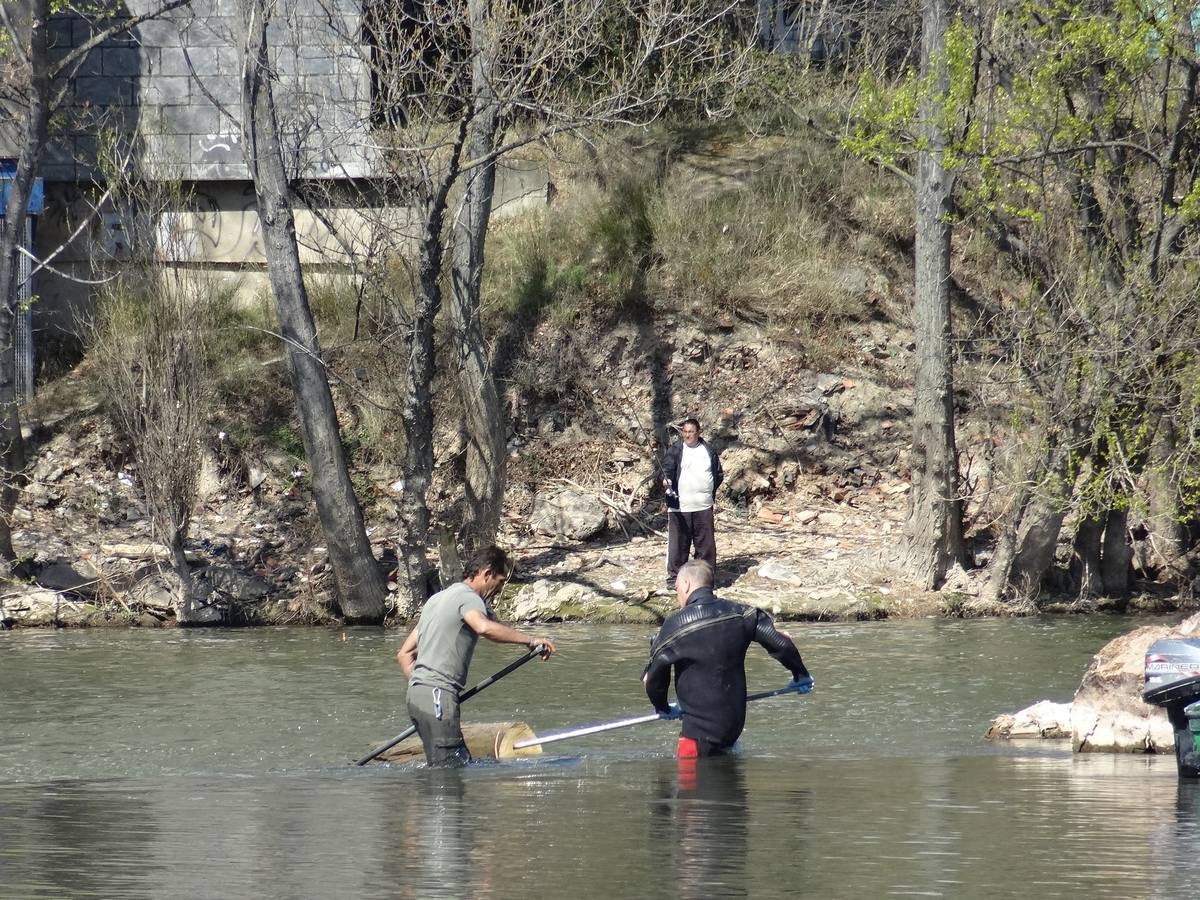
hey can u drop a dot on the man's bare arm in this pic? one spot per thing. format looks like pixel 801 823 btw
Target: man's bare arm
pixel 407 654
pixel 504 634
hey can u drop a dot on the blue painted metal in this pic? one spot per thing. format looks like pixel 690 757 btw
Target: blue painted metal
pixel 37 197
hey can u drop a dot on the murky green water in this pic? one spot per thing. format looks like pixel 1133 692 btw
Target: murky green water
pixel 203 764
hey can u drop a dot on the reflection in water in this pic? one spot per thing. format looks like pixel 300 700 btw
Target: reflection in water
pixel 436 849
pixel 702 825
pixel 1175 847
pixel 1187 810
pixel 67 833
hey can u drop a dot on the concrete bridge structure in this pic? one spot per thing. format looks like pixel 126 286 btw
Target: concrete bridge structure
pixel 175 82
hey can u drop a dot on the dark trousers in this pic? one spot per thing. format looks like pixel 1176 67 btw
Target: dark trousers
pixel 688 529
pixel 435 713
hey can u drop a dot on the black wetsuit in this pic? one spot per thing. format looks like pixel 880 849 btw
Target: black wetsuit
pixel 706 642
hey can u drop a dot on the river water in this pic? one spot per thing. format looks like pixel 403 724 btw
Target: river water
pixel 216 764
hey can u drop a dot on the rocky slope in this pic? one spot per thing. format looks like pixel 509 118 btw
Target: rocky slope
pixel 808 519
pixel 809 409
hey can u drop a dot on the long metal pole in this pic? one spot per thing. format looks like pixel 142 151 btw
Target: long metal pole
pixel 585 730
pixel 588 729
pixel 466 695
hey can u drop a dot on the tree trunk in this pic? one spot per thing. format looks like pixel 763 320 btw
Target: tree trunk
pixel 450 566
pixel 189 611
pixel 416 414
pixel 1040 526
pixel 360 586
pixel 1085 559
pixel 1036 545
pixel 1118 554
pixel 416 407
pixel 484 418
pixel 933 532
pixel 1165 546
pixel 31 141
pixel 1000 568
pixel 1025 547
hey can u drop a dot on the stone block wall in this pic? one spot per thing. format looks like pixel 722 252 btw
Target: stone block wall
pixel 177 82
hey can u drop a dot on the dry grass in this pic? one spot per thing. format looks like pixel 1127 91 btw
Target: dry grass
pixel 781 242
pixel 733 225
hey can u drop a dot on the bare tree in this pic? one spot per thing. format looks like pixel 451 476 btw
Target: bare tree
pixel 484 420
pixel 1088 165
pixel 149 340
pixel 463 85
pixel 1076 149
pixel 360 586
pixel 915 125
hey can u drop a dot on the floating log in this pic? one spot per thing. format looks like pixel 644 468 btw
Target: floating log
pixel 485 740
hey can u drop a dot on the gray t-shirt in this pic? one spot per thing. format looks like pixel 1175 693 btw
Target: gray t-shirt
pixel 445 642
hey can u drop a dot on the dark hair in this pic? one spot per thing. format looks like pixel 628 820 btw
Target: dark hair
pixel 488 558
pixel 690 420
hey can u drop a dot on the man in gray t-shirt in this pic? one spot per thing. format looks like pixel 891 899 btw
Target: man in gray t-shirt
pixel 437 653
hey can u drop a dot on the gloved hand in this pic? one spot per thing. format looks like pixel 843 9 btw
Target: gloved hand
pixel 671 712
pixel 802 684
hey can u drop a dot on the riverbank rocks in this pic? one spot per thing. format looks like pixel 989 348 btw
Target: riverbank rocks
pixel 1107 714
pixel 569 514
pixel 228 583
pixel 749 472
pixel 162 593
pixel 782 587
pixel 777 570
pixel 30 605
pixel 549 600
pixel 78 578
pixel 1044 719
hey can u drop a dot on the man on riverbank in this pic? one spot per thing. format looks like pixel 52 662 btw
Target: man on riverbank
pixel 437 653
pixel 706 641
pixel 691 475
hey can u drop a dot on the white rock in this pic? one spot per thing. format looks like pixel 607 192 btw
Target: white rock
pixel 1043 719
pixel 569 514
pixel 30 603
pixel 775 570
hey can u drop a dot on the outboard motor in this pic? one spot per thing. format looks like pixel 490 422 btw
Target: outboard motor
pixel 1173 682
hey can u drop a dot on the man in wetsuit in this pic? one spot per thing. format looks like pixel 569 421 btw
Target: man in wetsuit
pixel 437 653
pixel 706 641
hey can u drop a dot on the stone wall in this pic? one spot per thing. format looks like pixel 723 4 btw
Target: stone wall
pixel 177 83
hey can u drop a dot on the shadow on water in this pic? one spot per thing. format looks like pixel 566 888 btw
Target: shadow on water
pixel 96 823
